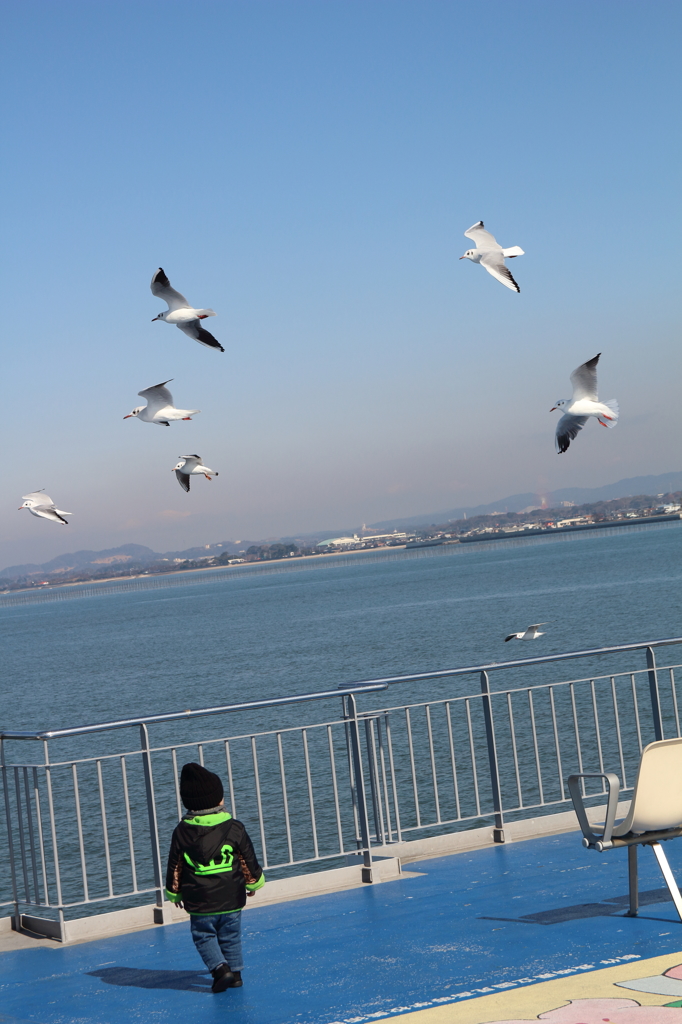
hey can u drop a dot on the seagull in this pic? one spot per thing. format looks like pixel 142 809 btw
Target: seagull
pixel 491 255
pixel 532 633
pixel 159 408
pixel 180 312
pixel 582 405
pixel 40 504
pixel 190 465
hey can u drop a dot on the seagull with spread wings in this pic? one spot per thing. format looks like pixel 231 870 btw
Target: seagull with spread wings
pixel 491 255
pixel 180 313
pixel 190 465
pixel 584 403
pixel 41 505
pixel 159 408
pixel 532 633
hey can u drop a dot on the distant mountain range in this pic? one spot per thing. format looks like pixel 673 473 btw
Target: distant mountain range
pixel 139 555
pixel 662 484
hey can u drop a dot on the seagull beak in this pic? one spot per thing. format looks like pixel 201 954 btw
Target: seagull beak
pixel 129 416
pixel 462 257
pixel 155 318
pixel 20 508
pixel 553 408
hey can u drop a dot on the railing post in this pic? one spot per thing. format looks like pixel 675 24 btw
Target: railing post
pixel 153 824
pixel 363 821
pixel 10 841
pixel 655 696
pixel 498 830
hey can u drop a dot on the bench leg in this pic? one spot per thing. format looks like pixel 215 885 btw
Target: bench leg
pixel 668 876
pixel 633 882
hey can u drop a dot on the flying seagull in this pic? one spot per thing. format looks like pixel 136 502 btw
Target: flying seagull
pixel 583 404
pixel 491 255
pixel 159 408
pixel 190 465
pixel 532 633
pixel 180 313
pixel 40 504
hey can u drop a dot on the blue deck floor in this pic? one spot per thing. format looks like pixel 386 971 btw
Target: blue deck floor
pixel 496 917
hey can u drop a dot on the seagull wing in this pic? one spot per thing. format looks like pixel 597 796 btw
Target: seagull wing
pixel 39 497
pixel 193 329
pixel 161 287
pixel 483 239
pixel 533 629
pixel 157 396
pixel 494 264
pixel 183 479
pixel 584 380
pixel 567 429
pixel 512 636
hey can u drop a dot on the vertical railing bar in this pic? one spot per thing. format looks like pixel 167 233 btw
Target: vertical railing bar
pixel 105 827
pixel 453 763
pixel 493 763
pixel 654 694
pixel 10 838
pixel 674 696
pixel 384 781
pixel 351 710
pixel 614 699
pixel 153 822
pixel 176 783
pixel 31 837
pixel 351 774
pixel 309 780
pixel 538 767
pixel 200 748
pixel 467 703
pixel 335 788
pixel 79 826
pixel 636 710
pixel 22 840
pixel 394 781
pixel 373 782
pixel 261 823
pixel 285 802
pixel 129 823
pixel 53 837
pixel 432 757
pixel 408 721
pixel 515 753
pixel 556 743
pixel 595 713
pixel 230 779
pixel 41 839
pixel 576 729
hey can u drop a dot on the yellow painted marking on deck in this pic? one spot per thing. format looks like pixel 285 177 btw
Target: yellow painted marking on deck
pixel 529 1001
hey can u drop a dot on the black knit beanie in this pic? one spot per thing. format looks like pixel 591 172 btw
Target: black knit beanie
pixel 199 788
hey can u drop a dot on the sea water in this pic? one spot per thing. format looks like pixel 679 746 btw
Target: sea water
pixel 250 636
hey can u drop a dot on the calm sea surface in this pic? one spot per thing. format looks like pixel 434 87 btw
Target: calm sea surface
pixel 147 651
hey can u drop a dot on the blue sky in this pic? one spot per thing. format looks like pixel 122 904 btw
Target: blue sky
pixel 308 170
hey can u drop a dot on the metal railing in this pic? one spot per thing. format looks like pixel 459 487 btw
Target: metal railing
pixel 84 831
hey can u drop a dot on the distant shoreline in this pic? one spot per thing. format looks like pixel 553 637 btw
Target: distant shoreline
pixel 554 530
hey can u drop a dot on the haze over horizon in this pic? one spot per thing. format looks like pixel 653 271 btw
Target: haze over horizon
pixel 309 173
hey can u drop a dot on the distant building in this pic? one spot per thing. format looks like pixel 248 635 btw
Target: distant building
pixel 340 542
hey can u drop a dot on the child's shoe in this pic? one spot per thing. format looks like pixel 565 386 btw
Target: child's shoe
pixel 237 983
pixel 223 978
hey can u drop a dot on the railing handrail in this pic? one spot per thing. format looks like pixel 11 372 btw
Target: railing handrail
pixel 494 666
pixel 176 716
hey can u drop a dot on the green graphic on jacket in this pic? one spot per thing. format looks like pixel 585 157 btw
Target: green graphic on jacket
pixel 212 868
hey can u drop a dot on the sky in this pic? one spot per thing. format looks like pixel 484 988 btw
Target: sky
pixel 308 169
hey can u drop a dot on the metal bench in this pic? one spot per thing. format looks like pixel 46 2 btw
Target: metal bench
pixel 654 816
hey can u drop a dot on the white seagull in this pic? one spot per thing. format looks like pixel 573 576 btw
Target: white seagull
pixel 532 633
pixel 583 404
pixel 180 313
pixel 190 465
pixel 491 255
pixel 159 408
pixel 40 504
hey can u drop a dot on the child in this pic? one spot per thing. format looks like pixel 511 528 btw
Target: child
pixel 212 868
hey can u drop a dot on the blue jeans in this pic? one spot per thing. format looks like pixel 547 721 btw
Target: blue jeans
pixel 218 939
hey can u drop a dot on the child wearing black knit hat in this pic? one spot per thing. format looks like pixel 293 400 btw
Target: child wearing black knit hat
pixel 212 868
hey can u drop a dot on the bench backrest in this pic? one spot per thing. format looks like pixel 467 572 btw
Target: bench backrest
pixel 657 798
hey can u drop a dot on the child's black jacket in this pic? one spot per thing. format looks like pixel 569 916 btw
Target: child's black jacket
pixel 210 856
